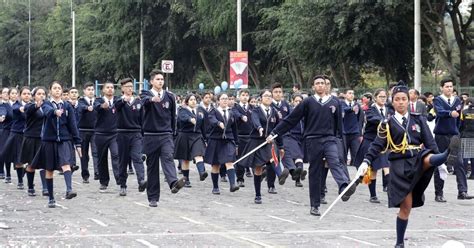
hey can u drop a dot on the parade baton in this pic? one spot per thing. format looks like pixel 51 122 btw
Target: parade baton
pixel 340 196
pixel 254 150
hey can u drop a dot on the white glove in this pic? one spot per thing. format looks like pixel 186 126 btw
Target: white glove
pixel 362 169
pixel 443 172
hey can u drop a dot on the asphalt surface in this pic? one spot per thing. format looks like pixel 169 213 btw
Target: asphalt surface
pixel 196 218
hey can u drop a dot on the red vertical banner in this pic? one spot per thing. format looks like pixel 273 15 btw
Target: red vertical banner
pixel 239 72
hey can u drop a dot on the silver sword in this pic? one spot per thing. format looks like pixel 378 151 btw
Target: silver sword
pixel 254 150
pixel 340 195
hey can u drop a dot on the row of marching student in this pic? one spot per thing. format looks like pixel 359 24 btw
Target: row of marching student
pixel 41 133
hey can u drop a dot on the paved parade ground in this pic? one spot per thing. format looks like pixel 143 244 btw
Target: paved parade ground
pixel 196 218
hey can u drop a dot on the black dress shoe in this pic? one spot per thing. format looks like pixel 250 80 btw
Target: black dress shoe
pixel 258 200
pixel 20 186
pixel 70 195
pixel 179 184
pixel 123 191
pixel 454 149
pixel 350 192
pixel 272 190
pixel 153 204
pixel 284 175
pixel 216 191
pixel 75 168
pixel 315 211
pixel 31 192
pixel 142 186
pixel 298 184
pixel 45 193
pixel 248 174
pixel 385 189
pixel 465 196
pixel 130 172
pixel 323 200
pixel 234 188
pixel 303 175
pixel 187 184
pixel 224 179
pixel 296 174
pixel 440 198
pixel 400 246
pixel 96 176
pixel 203 176
pixel 51 203
pixel 374 199
pixel 240 184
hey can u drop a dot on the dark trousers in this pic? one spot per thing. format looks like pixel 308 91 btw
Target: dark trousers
pixel 351 145
pixel 104 143
pixel 130 146
pixel 240 169
pixel 4 161
pixel 443 143
pixel 317 149
pixel 159 147
pixel 88 138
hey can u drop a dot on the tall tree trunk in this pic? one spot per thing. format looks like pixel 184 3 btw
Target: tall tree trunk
pixel 254 75
pixel 206 66
pixel 346 74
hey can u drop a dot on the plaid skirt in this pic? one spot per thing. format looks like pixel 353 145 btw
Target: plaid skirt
pixel 467 147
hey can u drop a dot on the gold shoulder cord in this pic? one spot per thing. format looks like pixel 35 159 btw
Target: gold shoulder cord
pixel 383 132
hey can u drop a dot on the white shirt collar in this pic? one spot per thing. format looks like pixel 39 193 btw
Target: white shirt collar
pixel 399 117
pixel 88 100
pixel 11 102
pixel 242 105
pixel 451 99
pixel 325 98
pixel 348 103
pixel 108 100
pixel 221 110
pixel 58 102
pixel 132 98
pixel 277 103
pixel 155 93
pixel 265 109
pixel 191 109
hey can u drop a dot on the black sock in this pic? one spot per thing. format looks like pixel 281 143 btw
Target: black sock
pixel 185 174
pixel 8 169
pixel 19 173
pixel 292 171
pixel 215 180
pixel 372 188
pixel 439 159
pixel 257 182
pixel 401 228
pixel 68 180
pixel 200 167
pixel 384 179
pixel 30 177
pixel 222 170
pixel 49 185
pixel 43 179
pixel 231 175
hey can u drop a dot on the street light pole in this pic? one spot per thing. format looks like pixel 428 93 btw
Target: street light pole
pixel 73 17
pixel 140 85
pixel 29 42
pixel 417 78
pixel 239 25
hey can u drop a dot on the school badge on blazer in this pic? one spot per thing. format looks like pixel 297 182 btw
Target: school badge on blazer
pixel 139 106
pixel 416 128
pixel 333 109
pixel 166 105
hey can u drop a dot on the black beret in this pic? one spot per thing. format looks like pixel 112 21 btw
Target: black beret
pixel 401 87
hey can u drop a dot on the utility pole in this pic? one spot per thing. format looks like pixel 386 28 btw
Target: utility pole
pixel 29 42
pixel 239 25
pixel 417 78
pixel 73 17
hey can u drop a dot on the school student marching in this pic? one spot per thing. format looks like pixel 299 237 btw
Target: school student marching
pixel 413 158
pixel 243 114
pixel 12 148
pixel 293 145
pixel 264 119
pixel 376 114
pixel 448 108
pixel 6 116
pixel 189 143
pixel 87 119
pixel 158 126
pixel 222 143
pixel 129 137
pixel 105 131
pixel 282 108
pixel 32 139
pixel 322 121
pixel 59 135
pixel 352 116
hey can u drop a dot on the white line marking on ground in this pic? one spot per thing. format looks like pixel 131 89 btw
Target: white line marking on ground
pixel 378 231
pixel 278 218
pixel 61 206
pixel 98 222
pixel 120 235
pixel 146 243
pixel 446 217
pixel 293 202
pixel 364 218
pixel 141 204
pixel 255 242
pixel 191 220
pixel 359 241
pixel 76 183
pixel 224 204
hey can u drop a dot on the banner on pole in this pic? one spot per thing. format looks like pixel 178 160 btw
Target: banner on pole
pixel 239 73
